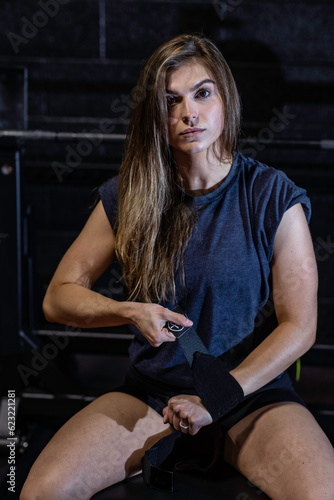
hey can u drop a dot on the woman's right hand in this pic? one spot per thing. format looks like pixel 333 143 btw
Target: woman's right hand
pixel 150 319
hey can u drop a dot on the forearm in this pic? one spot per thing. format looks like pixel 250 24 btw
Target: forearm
pixel 274 355
pixel 71 303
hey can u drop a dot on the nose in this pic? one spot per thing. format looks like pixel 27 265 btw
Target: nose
pixel 189 113
pixel 190 119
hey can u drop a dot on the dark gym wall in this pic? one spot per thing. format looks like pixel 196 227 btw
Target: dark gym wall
pixel 83 55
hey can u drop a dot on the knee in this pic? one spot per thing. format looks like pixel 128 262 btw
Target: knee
pixel 38 490
pixel 46 488
pixel 34 490
pixel 55 486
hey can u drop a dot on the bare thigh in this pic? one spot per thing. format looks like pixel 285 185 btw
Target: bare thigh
pixel 99 446
pixel 281 449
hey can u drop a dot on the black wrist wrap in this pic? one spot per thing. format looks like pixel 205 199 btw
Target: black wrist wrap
pixel 217 388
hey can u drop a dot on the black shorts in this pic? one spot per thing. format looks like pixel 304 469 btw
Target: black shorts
pixel 157 394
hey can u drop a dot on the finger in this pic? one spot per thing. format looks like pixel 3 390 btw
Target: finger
pixel 171 415
pixel 160 338
pixel 176 422
pixel 167 335
pixel 178 319
pixel 184 425
pixel 165 415
pixel 193 429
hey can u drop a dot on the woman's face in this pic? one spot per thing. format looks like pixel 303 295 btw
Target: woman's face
pixel 195 109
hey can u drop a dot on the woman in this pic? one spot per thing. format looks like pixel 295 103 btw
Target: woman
pixel 197 225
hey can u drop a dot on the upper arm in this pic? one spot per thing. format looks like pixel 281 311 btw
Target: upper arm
pixel 294 271
pixel 90 254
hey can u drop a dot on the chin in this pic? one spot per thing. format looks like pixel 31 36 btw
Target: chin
pixel 191 149
pixel 194 149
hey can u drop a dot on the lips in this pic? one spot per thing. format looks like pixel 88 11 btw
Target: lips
pixel 190 132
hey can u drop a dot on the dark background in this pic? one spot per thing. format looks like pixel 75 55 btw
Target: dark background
pixel 69 68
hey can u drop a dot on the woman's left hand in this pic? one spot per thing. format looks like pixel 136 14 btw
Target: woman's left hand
pixel 186 412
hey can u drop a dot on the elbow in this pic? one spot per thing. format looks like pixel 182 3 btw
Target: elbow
pixel 309 337
pixel 313 325
pixel 312 337
pixel 48 309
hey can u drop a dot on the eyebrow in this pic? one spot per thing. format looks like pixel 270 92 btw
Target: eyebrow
pixel 195 87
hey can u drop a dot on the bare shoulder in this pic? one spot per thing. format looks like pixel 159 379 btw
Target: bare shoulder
pixel 293 232
pixel 294 270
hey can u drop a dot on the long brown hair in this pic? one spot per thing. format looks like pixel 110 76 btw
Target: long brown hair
pixel 154 222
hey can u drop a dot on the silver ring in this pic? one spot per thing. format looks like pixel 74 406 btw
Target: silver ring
pixel 184 426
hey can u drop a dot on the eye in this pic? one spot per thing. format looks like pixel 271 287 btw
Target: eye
pixel 170 100
pixel 203 93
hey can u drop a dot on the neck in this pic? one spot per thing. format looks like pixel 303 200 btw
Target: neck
pixel 200 173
